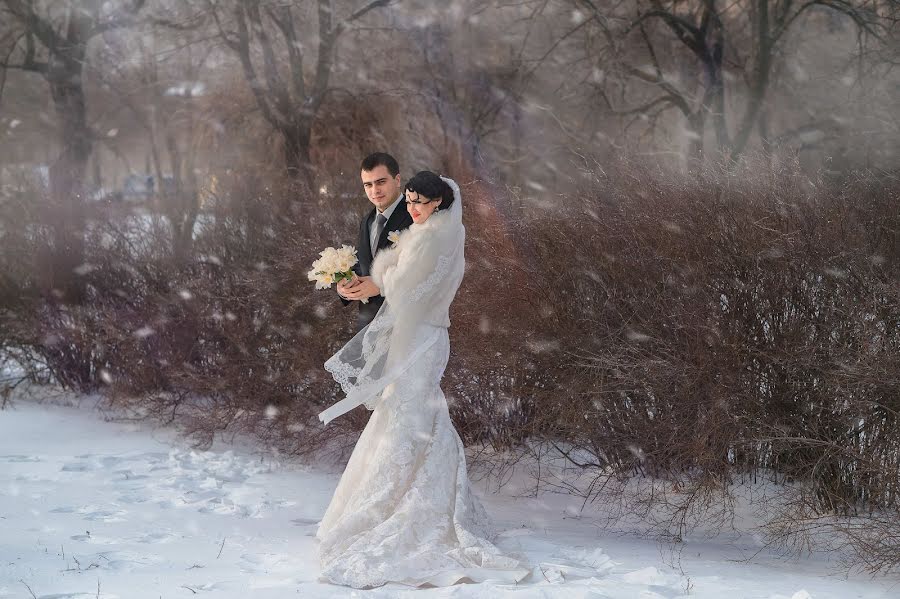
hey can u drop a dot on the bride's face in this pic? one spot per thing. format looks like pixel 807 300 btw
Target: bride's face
pixel 420 207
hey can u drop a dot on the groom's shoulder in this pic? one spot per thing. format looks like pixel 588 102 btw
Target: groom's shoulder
pixel 405 217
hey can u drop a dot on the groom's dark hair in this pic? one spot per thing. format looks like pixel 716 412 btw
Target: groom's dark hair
pixel 381 159
pixel 431 186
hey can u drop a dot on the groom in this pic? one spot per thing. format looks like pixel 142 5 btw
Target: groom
pixel 380 175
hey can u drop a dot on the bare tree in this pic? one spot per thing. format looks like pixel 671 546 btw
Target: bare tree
pixel 469 100
pixel 707 28
pixel 289 95
pixel 154 91
pixel 52 41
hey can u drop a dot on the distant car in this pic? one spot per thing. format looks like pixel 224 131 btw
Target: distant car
pixel 41 172
pixel 168 184
pixel 138 187
pixel 101 194
pixel 36 174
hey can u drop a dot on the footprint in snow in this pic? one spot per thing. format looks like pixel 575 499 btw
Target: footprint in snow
pixel 76 467
pixel 19 458
pixel 87 537
pixel 155 538
pixel 106 516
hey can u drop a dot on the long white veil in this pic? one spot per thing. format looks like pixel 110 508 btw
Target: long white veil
pixel 417 288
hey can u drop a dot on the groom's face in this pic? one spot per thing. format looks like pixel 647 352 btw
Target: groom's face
pixel 381 188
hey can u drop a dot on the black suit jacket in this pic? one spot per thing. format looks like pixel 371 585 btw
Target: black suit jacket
pixel 399 220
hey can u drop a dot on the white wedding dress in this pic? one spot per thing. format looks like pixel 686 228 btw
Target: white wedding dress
pixel 404 510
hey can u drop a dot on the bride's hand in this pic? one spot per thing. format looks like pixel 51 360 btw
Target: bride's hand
pixel 362 288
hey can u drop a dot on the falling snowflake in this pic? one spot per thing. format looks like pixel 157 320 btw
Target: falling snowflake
pixel 636 452
pixel 484 325
pixel 144 332
pixel 636 336
pixel 84 269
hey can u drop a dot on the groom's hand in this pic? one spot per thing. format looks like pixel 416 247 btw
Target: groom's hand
pixel 363 289
pixel 344 285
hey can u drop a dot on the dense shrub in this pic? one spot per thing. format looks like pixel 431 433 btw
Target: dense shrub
pixel 732 324
pixel 692 328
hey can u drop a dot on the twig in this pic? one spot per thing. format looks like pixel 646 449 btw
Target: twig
pixel 543 573
pixel 28 587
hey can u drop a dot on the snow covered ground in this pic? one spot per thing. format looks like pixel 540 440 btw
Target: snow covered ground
pixel 91 508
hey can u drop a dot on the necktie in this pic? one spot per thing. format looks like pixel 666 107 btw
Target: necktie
pixel 379 227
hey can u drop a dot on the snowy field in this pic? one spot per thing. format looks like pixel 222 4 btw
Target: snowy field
pixel 91 508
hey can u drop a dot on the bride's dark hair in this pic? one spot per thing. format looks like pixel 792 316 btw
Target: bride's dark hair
pixel 426 183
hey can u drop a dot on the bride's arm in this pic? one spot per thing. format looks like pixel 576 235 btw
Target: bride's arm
pixel 419 269
pixel 384 262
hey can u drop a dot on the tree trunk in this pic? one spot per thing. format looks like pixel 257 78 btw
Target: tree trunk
pixel 761 80
pixel 67 175
pixel 296 153
pixel 183 227
pixel 763 124
pixel 179 200
pixel 716 83
pixel 696 128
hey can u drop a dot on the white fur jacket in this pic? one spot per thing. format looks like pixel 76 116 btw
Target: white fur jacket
pixel 420 274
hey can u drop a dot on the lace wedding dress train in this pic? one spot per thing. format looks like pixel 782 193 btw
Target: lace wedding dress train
pixel 403 510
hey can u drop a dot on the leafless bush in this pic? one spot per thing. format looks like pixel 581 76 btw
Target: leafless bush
pixel 729 324
pixel 692 329
pixel 233 337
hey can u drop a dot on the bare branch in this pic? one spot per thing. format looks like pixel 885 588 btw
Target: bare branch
pixel 28 62
pixel 859 17
pixel 277 89
pixel 686 32
pixel 555 44
pixel 24 11
pixel 678 98
pixel 327 37
pixel 651 50
pixel 242 49
pixel 281 16
pixel 359 13
pixel 643 109
pixel 127 19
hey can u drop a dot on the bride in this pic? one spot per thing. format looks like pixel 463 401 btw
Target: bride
pixel 403 510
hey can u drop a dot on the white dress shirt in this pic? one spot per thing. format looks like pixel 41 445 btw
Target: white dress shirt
pixel 387 215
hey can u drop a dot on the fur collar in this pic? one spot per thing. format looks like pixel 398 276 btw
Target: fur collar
pixel 438 218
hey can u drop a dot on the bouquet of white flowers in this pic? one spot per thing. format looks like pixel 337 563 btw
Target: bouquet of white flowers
pixel 333 266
